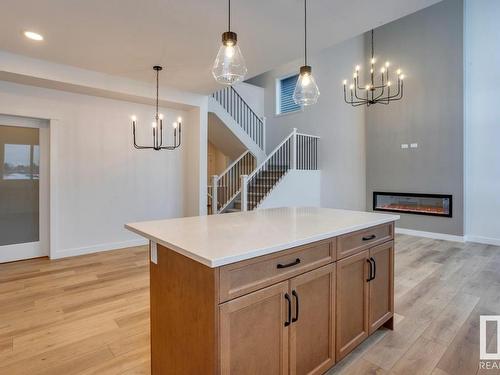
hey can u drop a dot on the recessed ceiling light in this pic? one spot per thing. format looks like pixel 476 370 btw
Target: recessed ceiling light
pixel 33 36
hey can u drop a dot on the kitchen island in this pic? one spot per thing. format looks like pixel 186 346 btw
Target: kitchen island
pixel 274 291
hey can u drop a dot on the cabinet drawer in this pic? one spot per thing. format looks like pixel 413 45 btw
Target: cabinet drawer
pixel 249 275
pixel 352 243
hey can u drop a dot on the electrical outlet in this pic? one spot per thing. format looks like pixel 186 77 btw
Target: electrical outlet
pixel 404 145
pixel 414 145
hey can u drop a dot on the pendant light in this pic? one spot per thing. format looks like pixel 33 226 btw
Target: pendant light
pixel 229 66
pixel 157 125
pixel 306 91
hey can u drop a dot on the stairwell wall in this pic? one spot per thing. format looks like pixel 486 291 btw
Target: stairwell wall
pixel 341 127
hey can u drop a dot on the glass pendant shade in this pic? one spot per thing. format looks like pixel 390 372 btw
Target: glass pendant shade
pixel 306 90
pixel 229 66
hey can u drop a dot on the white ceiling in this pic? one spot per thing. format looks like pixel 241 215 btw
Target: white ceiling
pixel 127 37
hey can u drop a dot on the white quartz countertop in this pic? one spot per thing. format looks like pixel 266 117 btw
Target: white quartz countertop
pixel 217 240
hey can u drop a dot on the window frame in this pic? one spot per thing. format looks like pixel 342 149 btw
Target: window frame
pixel 277 96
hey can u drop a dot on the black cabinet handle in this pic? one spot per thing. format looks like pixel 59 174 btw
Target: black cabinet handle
pixel 369 238
pixel 371 270
pixel 294 263
pixel 294 319
pixel 289 302
pixel 374 268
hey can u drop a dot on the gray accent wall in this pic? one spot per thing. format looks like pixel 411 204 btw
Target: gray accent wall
pixel 428 46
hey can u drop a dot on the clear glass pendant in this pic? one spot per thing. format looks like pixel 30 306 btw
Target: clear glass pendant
pixel 306 90
pixel 229 66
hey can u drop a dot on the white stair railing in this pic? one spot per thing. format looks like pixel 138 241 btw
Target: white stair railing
pixel 226 186
pixel 243 114
pixel 296 151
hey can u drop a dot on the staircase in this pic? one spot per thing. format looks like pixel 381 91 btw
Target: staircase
pixel 250 180
pixel 296 152
pixel 240 119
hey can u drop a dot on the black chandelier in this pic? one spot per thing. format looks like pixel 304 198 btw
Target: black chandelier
pixel 157 125
pixel 374 93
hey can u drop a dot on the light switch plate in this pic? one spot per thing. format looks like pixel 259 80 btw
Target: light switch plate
pixel 154 252
pixel 414 145
pixel 404 145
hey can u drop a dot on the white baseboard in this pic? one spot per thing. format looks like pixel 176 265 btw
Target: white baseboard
pixel 483 240
pixel 433 235
pixel 97 248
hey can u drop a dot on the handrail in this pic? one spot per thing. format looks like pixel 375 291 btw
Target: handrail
pixel 227 186
pixel 298 151
pixel 244 102
pixel 232 102
pixel 270 155
pixel 234 163
pixel 309 135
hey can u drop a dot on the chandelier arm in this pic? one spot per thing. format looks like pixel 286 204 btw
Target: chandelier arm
pixel 180 133
pixel 352 102
pixel 359 87
pixel 161 133
pixel 399 93
pixel 381 94
pixel 356 94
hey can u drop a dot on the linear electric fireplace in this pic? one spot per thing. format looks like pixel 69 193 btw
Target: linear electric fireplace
pixel 420 204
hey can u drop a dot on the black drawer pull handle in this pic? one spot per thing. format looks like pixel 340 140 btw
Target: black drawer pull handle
pixel 294 263
pixel 369 238
pixel 371 270
pixel 289 303
pixel 294 319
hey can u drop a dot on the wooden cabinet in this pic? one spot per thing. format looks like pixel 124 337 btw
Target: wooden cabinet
pixel 352 302
pixel 253 335
pixel 289 325
pixel 365 295
pixel 312 340
pixel 381 289
pixel 293 312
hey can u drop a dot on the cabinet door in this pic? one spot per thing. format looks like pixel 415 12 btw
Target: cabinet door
pixel 312 340
pixel 253 335
pixel 382 286
pixel 352 302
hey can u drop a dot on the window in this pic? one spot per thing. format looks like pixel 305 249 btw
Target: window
pixel 21 162
pixel 284 95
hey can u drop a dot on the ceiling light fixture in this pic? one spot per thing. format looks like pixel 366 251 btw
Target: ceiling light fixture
pixel 374 93
pixel 157 125
pixel 33 36
pixel 306 91
pixel 229 66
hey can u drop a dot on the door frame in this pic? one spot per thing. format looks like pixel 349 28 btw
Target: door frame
pixel 40 248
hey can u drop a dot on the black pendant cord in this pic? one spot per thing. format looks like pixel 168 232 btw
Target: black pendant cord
pixel 157 92
pixel 229 16
pixel 305 32
pixel 373 47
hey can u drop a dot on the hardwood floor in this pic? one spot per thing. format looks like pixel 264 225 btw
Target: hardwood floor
pixel 90 314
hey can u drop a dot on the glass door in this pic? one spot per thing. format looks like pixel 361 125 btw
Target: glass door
pixel 19 193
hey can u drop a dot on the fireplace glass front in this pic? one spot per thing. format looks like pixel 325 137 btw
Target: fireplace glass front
pixel 420 204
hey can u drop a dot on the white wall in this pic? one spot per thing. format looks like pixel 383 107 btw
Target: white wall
pixel 341 127
pixel 99 181
pixel 297 189
pixel 482 120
